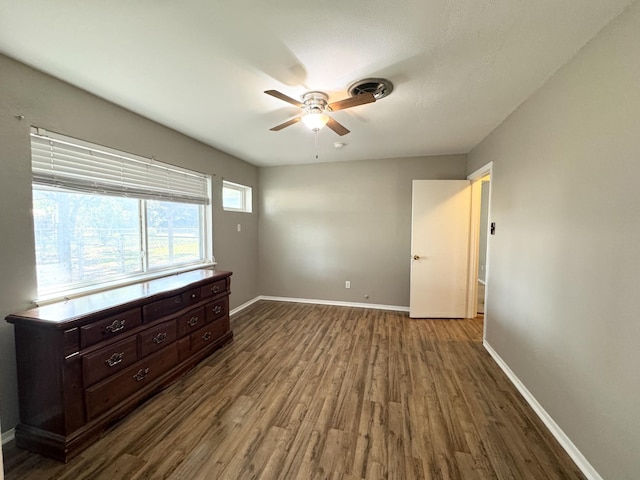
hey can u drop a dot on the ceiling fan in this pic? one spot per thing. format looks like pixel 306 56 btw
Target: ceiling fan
pixel 316 106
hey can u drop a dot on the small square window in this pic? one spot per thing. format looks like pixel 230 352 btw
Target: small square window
pixel 236 197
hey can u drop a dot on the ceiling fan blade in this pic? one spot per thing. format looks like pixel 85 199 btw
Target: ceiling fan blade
pixel 277 128
pixel 337 127
pixel 282 96
pixel 361 99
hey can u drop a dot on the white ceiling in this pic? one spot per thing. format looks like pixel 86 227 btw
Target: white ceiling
pixel 459 67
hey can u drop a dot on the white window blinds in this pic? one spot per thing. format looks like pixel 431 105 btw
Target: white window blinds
pixel 64 162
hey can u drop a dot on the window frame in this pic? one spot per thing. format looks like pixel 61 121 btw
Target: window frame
pixel 205 219
pixel 246 193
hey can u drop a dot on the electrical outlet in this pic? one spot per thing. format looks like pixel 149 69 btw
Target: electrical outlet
pixel 239 227
pixel 347 284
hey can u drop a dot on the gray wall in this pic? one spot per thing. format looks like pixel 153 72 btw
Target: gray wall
pixel 326 223
pixel 59 107
pixel 564 266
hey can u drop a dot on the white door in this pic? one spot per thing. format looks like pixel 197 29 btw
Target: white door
pixel 440 222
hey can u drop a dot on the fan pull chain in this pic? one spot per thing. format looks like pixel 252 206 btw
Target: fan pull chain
pixel 316 140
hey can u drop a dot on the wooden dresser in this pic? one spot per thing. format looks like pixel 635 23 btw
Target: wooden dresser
pixel 86 362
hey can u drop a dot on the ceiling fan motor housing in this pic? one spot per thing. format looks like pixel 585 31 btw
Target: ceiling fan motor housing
pixel 315 102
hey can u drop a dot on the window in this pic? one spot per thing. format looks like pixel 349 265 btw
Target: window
pixel 103 217
pixel 236 197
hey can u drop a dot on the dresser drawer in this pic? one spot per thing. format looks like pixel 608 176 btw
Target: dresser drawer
pixel 214 289
pixel 209 334
pixel 157 337
pixel 190 321
pixel 108 393
pixel 184 348
pixel 110 327
pixel 159 309
pixel 109 360
pixel 217 309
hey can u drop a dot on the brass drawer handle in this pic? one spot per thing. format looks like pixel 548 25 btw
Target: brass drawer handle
pixel 217 309
pixel 114 359
pixel 215 289
pixel 177 300
pixel 142 373
pixel 193 321
pixel 116 326
pixel 194 295
pixel 158 339
pixel 207 336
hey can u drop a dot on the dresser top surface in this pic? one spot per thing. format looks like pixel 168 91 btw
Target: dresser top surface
pixel 59 314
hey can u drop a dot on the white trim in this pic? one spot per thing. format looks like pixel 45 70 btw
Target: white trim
pixel 565 442
pixel 481 281
pixel 121 282
pixel 247 197
pixel 483 171
pixel 243 306
pixel 8 436
pixel 336 303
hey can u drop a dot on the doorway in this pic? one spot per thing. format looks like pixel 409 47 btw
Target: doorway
pixel 444 222
pixel 480 235
pixel 482 242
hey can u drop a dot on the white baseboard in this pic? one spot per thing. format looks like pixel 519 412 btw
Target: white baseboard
pixel 374 306
pixel 8 436
pixel 566 443
pixel 337 303
pixel 244 305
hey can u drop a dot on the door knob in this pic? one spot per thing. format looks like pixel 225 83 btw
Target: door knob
pixel 416 257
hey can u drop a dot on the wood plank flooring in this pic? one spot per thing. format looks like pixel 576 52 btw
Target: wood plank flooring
pixel 322 392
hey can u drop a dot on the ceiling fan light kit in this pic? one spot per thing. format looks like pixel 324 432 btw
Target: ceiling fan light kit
pixel 316 104
pixel 315 121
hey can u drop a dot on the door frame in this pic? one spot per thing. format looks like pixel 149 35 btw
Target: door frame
pixel 474 241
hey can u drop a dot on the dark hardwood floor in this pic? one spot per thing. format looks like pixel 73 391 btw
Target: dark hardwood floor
pixel 321 392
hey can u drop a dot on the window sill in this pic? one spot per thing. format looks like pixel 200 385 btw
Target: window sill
pixel 79 292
